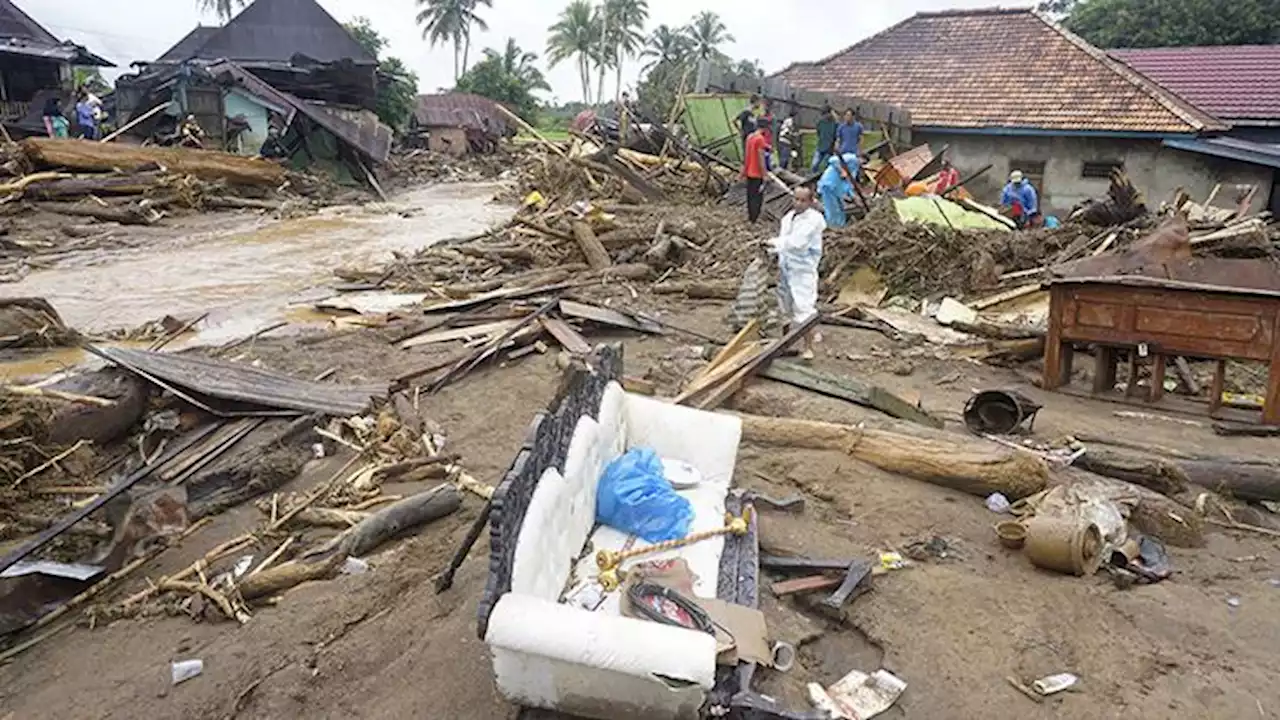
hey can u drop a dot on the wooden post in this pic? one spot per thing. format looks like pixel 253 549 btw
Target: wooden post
pixel 135 122
pixel 1218 385
pixel 1104 369
pixel 597 256
pixel 1052 378
pixel 1271 404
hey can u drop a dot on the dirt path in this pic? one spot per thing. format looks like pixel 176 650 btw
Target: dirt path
pixel 384 645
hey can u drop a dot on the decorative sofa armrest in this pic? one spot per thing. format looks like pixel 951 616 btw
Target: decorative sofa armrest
pixel 557 656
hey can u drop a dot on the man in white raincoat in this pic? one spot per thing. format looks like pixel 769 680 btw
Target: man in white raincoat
pixel 799 250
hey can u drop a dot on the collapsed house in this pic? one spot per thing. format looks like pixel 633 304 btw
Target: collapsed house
pixel 34 65
pixel 458 123
pixel 286 64
pixel 1013 89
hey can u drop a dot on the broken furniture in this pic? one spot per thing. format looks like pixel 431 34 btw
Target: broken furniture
pixel 1159 318
pixel 558 641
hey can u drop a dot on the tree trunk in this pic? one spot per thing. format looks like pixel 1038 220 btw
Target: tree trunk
pixel 597 256
pixel 960 462
pixel 1242 479
pixel 457 54
pixel 109 157
pixel 466 50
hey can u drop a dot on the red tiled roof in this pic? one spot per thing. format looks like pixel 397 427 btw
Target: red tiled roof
pixel 458 110
pixel 1234 82
pixel 998 68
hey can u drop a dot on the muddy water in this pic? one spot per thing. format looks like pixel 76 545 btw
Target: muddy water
pixel 251 271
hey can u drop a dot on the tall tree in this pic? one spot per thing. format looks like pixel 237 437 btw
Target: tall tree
pixel 472 19
pixel 666 45
pixel 708 32
pixel 397 85
pixel 510 77
pixel 449 21
pixel 626 32
pixel 1162 23
pixel 575 35
pixel 224 9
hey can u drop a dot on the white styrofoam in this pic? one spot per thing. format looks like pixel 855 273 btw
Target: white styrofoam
pixel 558 657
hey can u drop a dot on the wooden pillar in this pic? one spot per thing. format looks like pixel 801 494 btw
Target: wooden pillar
pixel 1157 378
pixel 1271 405
pixel 1219 383
pixel 1104 369
pixel 1052 379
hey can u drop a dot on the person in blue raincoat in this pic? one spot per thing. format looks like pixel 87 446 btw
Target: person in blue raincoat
pixel 834 186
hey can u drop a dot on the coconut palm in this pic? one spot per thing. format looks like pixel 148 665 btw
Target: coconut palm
pixel 708 32
pixel 575 35
pixel 519 65
pixel 625 36
pixel 224 9
pixel 471 18
pixel 666 45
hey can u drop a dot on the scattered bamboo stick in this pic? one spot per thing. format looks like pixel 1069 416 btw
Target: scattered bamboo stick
pixel 28 391
pixel 48 463
pixel 274 556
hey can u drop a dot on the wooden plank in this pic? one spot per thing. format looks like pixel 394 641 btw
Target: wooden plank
pixel 458 333
pixel 605 316
pixel 597 257
pixel 505 294
pixel 726 389
pixel 564 334
pixel 726 368
pixel 851 389
pixel 243 383
pixel 813 583
pixel 748 335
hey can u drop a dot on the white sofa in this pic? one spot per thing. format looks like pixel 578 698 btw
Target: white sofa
pixel 598 664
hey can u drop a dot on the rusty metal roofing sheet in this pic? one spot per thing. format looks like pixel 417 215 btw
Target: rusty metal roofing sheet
pixel 1000 69
pixel 277 30
pixel 243 383
pixel 458 110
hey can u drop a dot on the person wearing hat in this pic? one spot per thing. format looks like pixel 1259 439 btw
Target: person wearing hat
pixel 1020 198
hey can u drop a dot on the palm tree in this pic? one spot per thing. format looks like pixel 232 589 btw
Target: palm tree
pixel 575 34
pixel 470 18
pixel 626 31
pixel 223 8
pixel 520 65
pixel 666 45
pixel 445 21
pixel 708 32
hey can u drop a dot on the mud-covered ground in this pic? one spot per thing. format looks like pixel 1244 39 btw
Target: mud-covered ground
pixel 385 645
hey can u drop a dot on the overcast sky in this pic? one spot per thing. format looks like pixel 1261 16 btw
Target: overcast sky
pixel 774 33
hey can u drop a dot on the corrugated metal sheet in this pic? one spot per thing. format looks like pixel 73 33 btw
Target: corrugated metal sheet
pixel 187 47
pixel 462 110
pixel 16 24
pixel 243 383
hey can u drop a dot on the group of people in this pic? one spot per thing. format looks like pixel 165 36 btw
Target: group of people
pixel 837 155
pixel 88 113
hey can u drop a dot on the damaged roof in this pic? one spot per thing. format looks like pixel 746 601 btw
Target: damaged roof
pixel 1000 70
pixel 274 31
pixel 458 110
pixel 187 47
pixel 20 34
pixel 1239 83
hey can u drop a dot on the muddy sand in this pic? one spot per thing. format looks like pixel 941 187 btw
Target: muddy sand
pixel 385 645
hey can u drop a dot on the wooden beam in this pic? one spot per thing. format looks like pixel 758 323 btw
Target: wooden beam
pixel 851 389
pixel 724 390
pixel 597 257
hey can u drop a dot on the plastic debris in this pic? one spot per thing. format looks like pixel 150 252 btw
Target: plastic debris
pixel 1233 602
pixel 184 670
pixel 892 561
pixel 354 566
pixel 858 696
pixel 634 496
pixel 998 503
pixel 1054 683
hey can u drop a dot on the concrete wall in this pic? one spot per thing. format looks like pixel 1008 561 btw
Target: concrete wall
pixel 1156 170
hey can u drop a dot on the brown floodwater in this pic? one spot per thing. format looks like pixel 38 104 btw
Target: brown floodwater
pixel 246 271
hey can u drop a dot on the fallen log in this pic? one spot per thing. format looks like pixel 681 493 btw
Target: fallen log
pixel 109 157
pixel 227 202
pixel 395 519
pixel 124 215
pixel 1241 479
pixel 597 256
pixel 126 184
pixel 698 290
pixel 959 462
pixel 291 574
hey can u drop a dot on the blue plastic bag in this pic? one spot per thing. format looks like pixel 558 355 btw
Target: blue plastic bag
pixel 634 496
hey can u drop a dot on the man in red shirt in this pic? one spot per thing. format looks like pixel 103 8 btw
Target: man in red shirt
pixel 754 169
pixel 948 178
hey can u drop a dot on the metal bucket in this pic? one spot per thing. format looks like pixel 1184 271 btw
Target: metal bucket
pixel 999 412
